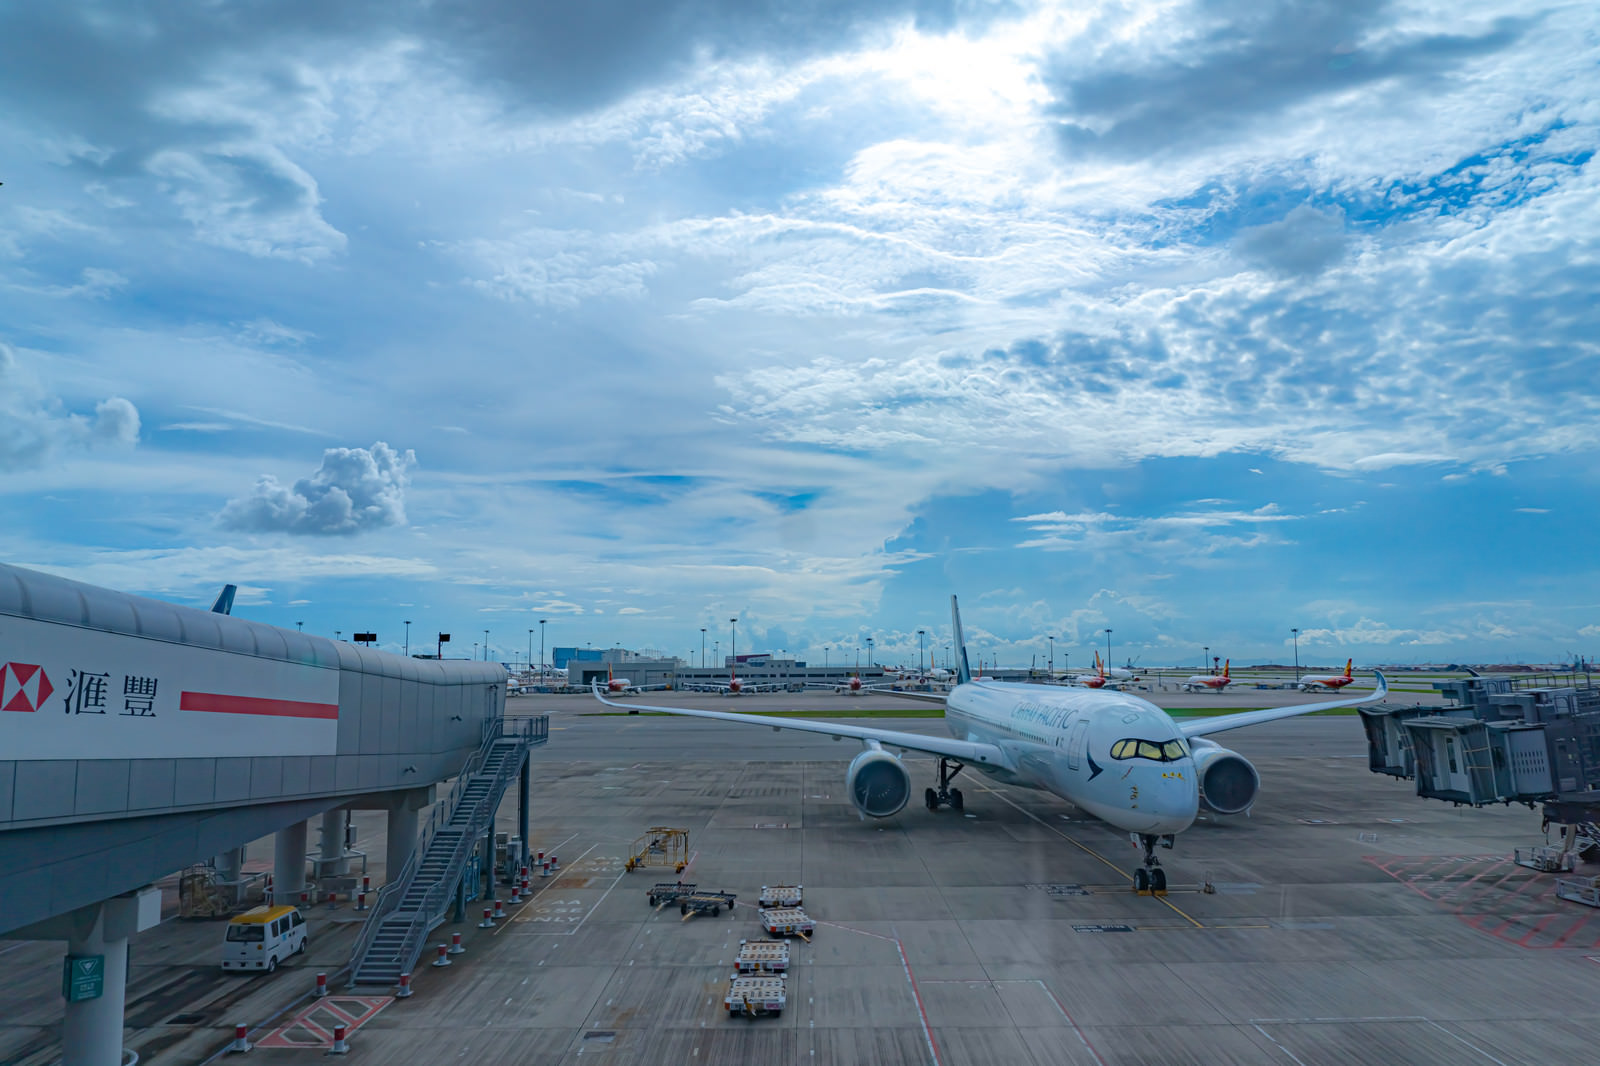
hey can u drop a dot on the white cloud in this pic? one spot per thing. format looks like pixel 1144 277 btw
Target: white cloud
pixel 36 427
pixel 354 490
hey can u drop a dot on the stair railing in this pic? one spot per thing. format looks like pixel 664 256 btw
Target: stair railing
pixel 529 730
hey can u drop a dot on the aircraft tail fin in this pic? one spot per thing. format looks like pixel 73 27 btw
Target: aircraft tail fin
pixel 963 671
pixel 1347 664
pixel 1225 667
pixel 224 604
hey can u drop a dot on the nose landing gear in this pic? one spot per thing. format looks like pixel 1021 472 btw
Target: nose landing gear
pixel 1150 879
pixel 944 795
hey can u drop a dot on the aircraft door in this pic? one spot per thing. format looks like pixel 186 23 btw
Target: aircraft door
pixel 1075 742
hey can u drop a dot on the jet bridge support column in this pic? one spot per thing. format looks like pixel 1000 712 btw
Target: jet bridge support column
pixel 524 787
pixel 400 836
pixel 289 864
pixel 97 947
pixel 330 859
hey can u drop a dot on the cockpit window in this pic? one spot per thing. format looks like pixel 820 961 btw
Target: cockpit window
pixel 1154 750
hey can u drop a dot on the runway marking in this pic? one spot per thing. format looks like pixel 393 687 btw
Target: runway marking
pixel 905 964
pixel 313 1026
pixel 1502 900
pixel 1457 1037
pixel 1060 1007
pixel 1090 851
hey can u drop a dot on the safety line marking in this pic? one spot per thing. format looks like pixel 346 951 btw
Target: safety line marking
pixel 1090 851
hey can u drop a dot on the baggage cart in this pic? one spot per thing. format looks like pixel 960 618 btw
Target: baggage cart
pixel 752 996
pixel 669 892
pixel 762 956
pixel 661 846
pixel 705 903
pixel 787 921
pixel 779 896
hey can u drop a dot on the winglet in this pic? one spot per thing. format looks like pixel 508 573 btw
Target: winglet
pixel 963 671
pixel 224 604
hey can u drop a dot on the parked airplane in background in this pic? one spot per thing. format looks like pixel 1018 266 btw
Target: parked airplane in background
pixel 734 686
pixel 1329 681
pixel 1116 756
pixel 1216 682
pixel 621 686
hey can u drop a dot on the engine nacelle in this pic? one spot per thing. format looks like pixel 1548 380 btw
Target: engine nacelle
pixel 1228 783
pixel 878 783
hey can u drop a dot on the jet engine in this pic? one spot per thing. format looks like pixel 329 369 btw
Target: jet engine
pixel 1228 783
pixel 878 783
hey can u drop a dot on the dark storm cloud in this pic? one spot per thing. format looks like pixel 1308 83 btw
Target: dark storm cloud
pixel 1244 60
pixel 91 67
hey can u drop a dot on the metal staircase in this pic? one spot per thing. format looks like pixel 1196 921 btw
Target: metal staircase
pixel 417 898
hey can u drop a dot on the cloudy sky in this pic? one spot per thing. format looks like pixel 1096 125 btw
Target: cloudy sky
pixel 1195 320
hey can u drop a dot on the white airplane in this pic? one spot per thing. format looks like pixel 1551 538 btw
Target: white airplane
pixel 853 687
pixel 621 686
pixel 1116 756
pixel 734 686
pixel 1329 681
pixel 1215 682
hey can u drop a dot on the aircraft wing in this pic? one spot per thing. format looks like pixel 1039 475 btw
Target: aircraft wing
pixel 1201 727
pixel 966 751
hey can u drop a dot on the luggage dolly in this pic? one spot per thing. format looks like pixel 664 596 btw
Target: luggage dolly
pixel 780 896
pixel 703 902
pixel 762 956
pixel 669 892
pixel 751 996
pixel 788 921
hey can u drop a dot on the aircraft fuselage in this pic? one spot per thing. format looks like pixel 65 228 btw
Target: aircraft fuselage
pixel 1061 741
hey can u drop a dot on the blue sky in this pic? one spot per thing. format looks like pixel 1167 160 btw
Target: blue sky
pixel 1200 321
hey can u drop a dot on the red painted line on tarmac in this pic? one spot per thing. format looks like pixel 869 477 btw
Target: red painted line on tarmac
pixel 1537 929
pixel 220 703
pixel 1581 923
pixel 933 1046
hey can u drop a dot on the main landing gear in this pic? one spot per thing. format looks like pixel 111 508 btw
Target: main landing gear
pixel 944 795
pixel 1151 879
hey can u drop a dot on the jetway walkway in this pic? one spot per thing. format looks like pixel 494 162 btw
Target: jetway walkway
pixel 418 897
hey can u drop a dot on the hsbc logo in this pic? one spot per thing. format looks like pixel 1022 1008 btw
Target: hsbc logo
pixel 23 687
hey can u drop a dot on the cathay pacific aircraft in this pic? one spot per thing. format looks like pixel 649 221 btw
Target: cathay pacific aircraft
pixel 1116 756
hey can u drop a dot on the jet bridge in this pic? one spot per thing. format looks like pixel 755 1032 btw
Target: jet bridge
pixel 1500 740
pixel 138 737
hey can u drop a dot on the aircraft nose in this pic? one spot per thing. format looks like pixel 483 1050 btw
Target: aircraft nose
pixel 1174 798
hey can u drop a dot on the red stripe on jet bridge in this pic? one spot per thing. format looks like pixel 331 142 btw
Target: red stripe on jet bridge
pixel 218 703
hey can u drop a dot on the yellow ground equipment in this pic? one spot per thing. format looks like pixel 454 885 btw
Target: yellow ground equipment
pixel 199 894
pixel 661 846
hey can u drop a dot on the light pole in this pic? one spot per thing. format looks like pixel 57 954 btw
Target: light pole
pixel 1296 632
pixel 920 634
pixel 299 627
pixel 541 647
pixel 337 633
pixel 485 645
pixel 825 658
pixel 869 653
pixel 1051 663
pixel 716 649
pixel 1108 647
pixel 408 638
pixel 702 647
pixel 734 622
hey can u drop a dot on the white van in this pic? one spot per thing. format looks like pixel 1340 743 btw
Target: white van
pixel 261 938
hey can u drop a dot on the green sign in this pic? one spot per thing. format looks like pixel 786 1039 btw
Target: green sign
pixel 83 977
